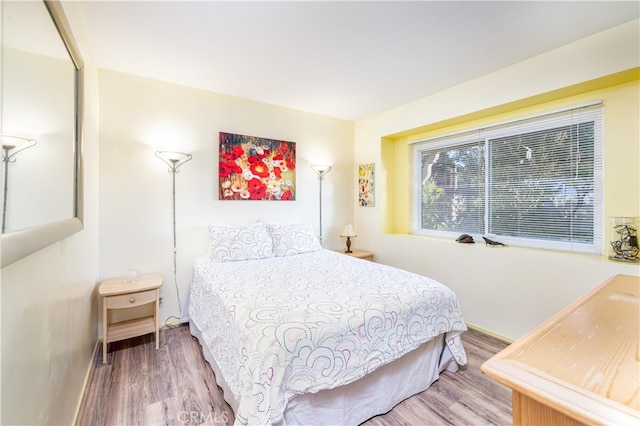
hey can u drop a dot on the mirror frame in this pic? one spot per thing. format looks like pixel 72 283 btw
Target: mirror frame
pixel 19 244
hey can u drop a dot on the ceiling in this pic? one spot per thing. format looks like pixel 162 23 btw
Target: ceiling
pixel 342 59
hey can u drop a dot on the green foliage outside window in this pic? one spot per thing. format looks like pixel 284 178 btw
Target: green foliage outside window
pixel 537 184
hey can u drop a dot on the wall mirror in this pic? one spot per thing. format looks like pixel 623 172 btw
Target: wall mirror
pixel 42 83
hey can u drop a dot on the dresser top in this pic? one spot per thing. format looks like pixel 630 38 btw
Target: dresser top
pixel 583 359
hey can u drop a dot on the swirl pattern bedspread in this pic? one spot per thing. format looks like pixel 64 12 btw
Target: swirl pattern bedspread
pixel 284 326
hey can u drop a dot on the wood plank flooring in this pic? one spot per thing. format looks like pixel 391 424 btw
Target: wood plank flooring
pixel 175 386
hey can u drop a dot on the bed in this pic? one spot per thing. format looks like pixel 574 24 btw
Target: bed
pixel 297 334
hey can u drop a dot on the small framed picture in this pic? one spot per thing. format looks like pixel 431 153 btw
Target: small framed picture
pixel 366 193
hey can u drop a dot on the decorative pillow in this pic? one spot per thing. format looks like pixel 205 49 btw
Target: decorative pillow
pixel 240 242
pixel 293 238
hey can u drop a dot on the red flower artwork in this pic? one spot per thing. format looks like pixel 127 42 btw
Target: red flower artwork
pixel 287 195
pixel 254 168
pixel 259 168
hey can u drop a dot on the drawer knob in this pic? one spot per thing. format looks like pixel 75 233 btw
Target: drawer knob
pixel 132 299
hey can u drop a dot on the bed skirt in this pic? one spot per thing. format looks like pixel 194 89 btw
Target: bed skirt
pixel 369 396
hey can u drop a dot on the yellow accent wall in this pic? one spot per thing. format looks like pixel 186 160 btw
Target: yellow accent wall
pixel 620 95
pixel 507 291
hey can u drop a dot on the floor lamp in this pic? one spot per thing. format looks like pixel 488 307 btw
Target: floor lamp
pixel 174 160
pixel 321 170
pixel 16 144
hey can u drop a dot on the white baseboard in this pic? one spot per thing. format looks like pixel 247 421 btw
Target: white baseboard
pixel 490 333
pixel 87 379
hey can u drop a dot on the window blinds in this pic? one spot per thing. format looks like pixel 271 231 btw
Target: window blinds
pixel 541 181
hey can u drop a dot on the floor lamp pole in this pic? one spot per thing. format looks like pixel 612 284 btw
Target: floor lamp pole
pixel 321 170
pixel 5 160
pixel 174 170
pixel 174 160
pixel 320 203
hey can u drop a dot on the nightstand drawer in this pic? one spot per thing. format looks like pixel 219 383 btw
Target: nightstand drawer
pixel 130 300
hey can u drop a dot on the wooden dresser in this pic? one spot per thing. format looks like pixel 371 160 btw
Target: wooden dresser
pixel 582 366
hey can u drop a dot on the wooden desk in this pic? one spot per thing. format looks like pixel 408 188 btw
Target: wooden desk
pixel 581 366
pixel 118 294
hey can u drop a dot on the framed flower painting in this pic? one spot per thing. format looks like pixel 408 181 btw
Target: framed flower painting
pixel 365 185
pixel 255 168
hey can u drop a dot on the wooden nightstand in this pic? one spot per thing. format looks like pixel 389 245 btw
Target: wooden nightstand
pixel 360 254
pixel 118 294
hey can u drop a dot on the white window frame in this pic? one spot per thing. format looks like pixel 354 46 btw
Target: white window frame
pixel 574 115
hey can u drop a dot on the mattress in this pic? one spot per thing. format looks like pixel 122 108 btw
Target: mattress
pixel 282 327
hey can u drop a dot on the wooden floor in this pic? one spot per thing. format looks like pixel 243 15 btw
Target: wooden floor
pixel 175 386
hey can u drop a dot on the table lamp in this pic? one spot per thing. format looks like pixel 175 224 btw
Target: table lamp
pixel 348 232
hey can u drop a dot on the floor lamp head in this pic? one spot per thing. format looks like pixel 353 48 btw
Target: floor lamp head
pixel 173 159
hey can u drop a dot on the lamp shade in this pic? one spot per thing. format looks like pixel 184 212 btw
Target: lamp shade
pixel 173 159
pixel 348 231
pixel 321 169
pixel 18 143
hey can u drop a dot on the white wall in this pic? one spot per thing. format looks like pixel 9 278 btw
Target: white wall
pixel 506 291
pixel 37 101
pixel 49 302
pixel 138 115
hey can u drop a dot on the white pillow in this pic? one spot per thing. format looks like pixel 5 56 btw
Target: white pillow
pixel 293 238
pixel 239 242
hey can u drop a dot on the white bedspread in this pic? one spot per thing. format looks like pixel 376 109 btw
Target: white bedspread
pixel 284 326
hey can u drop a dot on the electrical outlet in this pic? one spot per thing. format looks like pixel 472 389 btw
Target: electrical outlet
pixel 161 301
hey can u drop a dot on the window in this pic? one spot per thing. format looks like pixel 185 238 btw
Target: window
pixel 535 182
